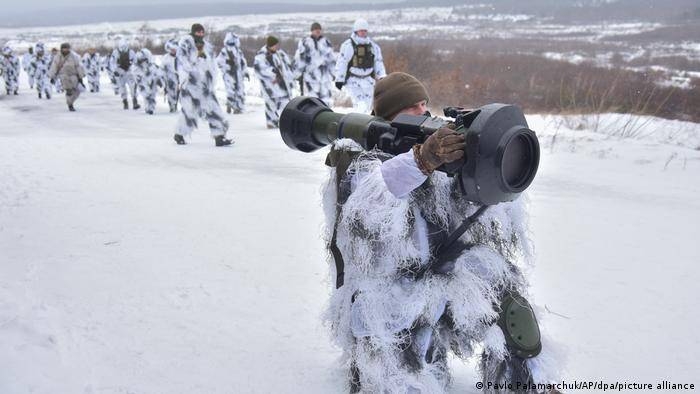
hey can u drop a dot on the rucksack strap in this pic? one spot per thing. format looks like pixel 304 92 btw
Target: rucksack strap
pixel 340 160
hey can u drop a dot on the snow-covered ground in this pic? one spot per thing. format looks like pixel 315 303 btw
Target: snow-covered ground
pixel 129 264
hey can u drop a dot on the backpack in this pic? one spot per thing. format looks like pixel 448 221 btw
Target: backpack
pixel 124 61
pixel 362 57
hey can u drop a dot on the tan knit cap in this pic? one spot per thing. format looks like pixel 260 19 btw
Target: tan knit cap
pixel 395 92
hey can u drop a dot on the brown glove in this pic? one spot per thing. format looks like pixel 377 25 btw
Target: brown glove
pixel 443 146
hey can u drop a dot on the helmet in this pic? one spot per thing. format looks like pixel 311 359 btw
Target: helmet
pixel 170 45
pixel 7 51
pixel 144 55
pixel 123 45
pixel 232 40
pixel 39 47
pixel 360 24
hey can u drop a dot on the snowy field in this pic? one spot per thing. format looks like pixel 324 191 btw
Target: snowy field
pixel 129 264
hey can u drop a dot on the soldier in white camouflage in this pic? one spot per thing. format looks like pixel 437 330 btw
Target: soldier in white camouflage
pixel 148 79
pixel 26 65
pixel 92 63
pixel 107 65
pixel 274 70
pixel 197 69
pixel 314 63
pixel 122 62
pixel 234 69
pixel 168 66
pixel 10 70
pixel 39 68
pixel 359 65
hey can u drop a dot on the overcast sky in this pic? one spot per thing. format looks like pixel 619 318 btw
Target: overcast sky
pixel 29 5
pixel 27 13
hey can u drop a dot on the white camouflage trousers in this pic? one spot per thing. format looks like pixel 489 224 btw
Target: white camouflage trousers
pixel 361 91
pixel 192 108
pixel 273 109
pixel 93 77
pixel 125 79
pixel 320 90
pixel 235 96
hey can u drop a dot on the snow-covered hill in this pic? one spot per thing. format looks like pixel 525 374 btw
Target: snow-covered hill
pixel 129 264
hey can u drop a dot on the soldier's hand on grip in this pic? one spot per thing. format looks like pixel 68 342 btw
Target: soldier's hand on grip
pixel 443 146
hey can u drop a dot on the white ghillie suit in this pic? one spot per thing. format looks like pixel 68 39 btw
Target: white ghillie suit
pixel 26 66
pixel 107 65
pixel 233 68
pixel 314 62
pixel 276 81
pixel 197 94
pixel 168 65
pixel 122 61
pixel 10 70
pixel 359 64
pixel 148 79
pixel 396 329
pixel 39 68
pixel 92 63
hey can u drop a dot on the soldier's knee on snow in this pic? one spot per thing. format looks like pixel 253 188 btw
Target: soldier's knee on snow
pixel 519 325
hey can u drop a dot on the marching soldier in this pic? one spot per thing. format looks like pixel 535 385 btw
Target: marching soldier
pixel 314 62
pixel 359 65
pixel 234 69
pixel 273 68
pixel 197 68
pixel 68 68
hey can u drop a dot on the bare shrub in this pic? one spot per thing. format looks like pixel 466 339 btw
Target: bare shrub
pixel 537 84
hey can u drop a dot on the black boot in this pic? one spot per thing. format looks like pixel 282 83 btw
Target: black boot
pixel 71 108
pixel 136 105
pixel 48 96
pixel 220 140
pixel 228 109
pixel 39 94
pixel 16 94
pixel 126 103
pixel 179 139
